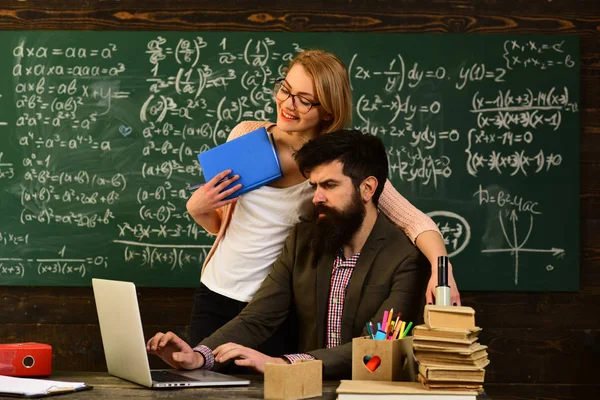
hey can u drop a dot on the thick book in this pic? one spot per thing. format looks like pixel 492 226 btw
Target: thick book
pixel 438 345
pixel 449 317
pixel 472 354
pixel 451 386
pixel 445 341
pixel 357 390
pixel 482 363
pixel 453 374
pixel 453 361
pixel 422 331
pixel 475 347
pixel 252 156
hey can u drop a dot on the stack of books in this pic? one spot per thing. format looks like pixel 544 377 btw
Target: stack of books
pixel 447 349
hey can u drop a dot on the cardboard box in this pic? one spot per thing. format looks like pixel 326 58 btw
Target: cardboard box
pixel 300 380
pixel 397 360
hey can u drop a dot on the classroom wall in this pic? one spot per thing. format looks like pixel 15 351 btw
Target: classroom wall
pixel 541 345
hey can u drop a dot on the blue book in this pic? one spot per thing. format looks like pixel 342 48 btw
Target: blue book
pixel 253 157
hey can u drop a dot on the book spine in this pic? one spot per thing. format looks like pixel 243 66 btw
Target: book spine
pixel 274 148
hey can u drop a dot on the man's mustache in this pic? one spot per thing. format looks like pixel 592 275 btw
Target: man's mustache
pixel 323 209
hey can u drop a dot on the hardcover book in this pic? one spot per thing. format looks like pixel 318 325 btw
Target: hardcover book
pixel 252 156
pixel 453 374
pixel 357 389
pixel 449 317
pixel 422 331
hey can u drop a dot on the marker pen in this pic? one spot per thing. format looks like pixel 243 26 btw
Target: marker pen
pixel 442 290
pixel 380 335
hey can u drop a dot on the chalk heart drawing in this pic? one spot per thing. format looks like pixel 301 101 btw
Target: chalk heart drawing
pixel 125 130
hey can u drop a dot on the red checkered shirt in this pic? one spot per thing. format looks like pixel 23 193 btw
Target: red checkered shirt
pixel 340 277
pixel 342 272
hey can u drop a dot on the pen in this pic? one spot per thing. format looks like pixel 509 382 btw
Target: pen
pixel 396 327
pixel 390 335
pixel 407 329
pixel 402 330
pixel 389 322
pixel 384 320
pixel 370 331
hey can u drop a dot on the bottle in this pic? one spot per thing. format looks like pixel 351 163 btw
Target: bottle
pixel 442 290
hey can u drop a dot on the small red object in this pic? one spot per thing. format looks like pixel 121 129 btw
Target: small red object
pixel 25 359
pixel 373 363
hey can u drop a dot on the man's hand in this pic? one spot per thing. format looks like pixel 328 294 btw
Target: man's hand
pixel 433 281
pixel 245 357
pixel 174 351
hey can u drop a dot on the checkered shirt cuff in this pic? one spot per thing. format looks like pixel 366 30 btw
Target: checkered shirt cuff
pixel 209 359
pixel 295 357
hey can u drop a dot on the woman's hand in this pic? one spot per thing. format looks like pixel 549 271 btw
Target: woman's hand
pixel 211 195
pixel 433 281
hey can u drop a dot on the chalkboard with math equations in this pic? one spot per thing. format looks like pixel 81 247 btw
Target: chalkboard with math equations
pixel 99 133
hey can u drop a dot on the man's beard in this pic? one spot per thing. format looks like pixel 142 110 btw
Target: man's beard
pixel 337 227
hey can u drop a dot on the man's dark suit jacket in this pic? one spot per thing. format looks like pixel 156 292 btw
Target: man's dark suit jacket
pixel 390 273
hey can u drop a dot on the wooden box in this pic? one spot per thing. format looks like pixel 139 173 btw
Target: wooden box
pixel 397 359
pixel 300 380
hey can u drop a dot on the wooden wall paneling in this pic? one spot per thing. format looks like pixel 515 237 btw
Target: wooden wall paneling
pixel 520 391
pixel 75 305
pixel 550 356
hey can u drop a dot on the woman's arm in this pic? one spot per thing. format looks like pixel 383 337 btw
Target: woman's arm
pixel 422 231
pixel 205 206
pixel 431 245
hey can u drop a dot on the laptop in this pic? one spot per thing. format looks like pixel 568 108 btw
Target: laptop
pixel 125 347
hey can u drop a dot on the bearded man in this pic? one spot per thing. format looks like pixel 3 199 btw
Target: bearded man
pixel 336 273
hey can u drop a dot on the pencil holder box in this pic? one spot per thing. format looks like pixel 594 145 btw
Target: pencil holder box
pixel 301 380
pixel 383 360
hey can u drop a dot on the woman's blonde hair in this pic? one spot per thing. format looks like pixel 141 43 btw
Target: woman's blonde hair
pixel 332 83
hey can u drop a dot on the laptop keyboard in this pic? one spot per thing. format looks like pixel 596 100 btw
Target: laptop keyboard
pixel 166 376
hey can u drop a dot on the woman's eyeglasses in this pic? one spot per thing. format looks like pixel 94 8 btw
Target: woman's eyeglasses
pixel 301 103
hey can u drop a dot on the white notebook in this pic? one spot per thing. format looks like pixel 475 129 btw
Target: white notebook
pixel 27 387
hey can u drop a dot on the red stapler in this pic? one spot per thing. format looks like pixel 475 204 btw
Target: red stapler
pixel 25 359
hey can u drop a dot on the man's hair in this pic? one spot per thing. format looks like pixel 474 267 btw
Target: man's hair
pixel 362 155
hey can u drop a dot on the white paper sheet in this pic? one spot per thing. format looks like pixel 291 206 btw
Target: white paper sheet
pixel 28 386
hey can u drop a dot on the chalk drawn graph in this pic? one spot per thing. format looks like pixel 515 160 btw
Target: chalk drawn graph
pixel 515 247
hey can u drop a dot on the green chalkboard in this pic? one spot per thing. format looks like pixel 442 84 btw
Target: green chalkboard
pixel 99 133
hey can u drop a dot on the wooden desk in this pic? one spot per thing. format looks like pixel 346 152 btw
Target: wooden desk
pixel 111 388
